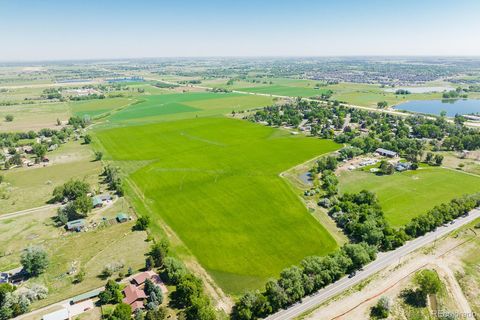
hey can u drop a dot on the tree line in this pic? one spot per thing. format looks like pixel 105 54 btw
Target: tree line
pixel 296 282
pixel 362 219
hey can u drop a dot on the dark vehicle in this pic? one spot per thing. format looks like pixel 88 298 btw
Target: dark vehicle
pixel 351 275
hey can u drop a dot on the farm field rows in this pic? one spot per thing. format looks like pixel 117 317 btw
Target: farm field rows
pixel 406 195
pixel 215 182
pixel 181 105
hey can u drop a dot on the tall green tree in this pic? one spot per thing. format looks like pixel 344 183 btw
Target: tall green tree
pixel 34 260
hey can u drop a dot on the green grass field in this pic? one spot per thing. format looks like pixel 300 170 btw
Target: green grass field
pixel 274 86
pixel 30 187
pixel 90 250
pixel 282 90
pixel 368 95
pixel 215 182
pixel 97 107
pixel 406 195
pixel 33 116
pixel 186 105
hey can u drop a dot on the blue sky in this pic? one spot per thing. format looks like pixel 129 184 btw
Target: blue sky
pixel 48 30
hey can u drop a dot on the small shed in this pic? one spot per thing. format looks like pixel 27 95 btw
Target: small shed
pixel 76 225
pixel 122 217
pixel 85 296
pixel 97 202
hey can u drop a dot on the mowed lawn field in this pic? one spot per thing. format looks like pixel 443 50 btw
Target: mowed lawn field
pixel 406 195
pixel 216 183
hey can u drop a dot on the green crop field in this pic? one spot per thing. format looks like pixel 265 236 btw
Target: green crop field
pixel 274 86
pixel 291 91
pixel 190 105
pixel 215 182
pixel 406 195
pixel 98 106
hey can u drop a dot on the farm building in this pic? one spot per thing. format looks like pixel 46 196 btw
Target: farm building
pixel 386 153
pixel 97 202
pixel 122 217
pixel 76 225
pixel 61 314
pixel 85 296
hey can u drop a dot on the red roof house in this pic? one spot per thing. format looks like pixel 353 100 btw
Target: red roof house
pixel 140 278
pixel 134 296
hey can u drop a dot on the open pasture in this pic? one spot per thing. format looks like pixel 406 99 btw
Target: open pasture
pixel 273 86
pixel 215 182
pixel 368 95
pixel 406 195
pixel 33 116
pixel 290 91
pixel 96 107
pixel 30 187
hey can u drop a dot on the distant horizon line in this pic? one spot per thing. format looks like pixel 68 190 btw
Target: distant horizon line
pixel 7 61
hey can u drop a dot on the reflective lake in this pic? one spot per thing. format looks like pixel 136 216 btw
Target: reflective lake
pixel 420 89
pixel 452 107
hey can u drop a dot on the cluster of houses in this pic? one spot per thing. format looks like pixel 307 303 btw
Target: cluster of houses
pixel 98 202
pixel 27 150
pixel 81 224
pixel 133 295
pixel 399 166
pixel 83 92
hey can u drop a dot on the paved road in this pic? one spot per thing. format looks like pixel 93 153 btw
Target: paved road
pixel 383 260
pixel 28 211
